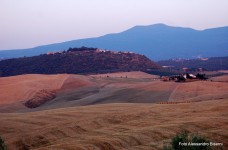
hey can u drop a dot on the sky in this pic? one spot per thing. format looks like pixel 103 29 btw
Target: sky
pixel 30 23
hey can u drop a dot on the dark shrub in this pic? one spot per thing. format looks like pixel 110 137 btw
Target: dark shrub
pixel 184 138
pixel 2 144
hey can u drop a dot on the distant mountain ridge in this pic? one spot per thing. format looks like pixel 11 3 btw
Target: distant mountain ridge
pixel 77 61
pixel 158 42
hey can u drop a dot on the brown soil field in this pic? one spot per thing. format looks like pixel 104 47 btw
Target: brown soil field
pixel 114 126
pixel 79 90
pixel 199 90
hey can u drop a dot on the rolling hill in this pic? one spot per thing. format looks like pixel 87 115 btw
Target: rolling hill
pixel 100 112
pixel 44 92
pixel 158 42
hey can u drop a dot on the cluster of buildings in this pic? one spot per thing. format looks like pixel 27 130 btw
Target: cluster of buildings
pixel 184 77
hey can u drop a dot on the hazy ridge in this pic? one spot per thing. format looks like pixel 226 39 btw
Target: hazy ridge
pixel 158 42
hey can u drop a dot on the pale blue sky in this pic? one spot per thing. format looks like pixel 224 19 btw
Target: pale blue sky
pixel 30 23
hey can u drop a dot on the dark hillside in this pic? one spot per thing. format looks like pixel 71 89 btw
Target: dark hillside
pixel 76 61
pixel 210 64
